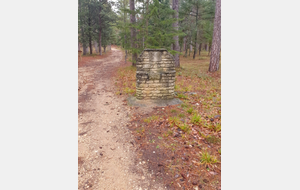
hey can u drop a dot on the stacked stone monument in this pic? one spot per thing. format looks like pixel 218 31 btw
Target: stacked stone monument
pixel 155 76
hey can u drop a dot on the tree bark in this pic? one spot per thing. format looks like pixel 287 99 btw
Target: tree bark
pixel 200 48
pixel 133 32
pixel 216 41
pixel 82 33
pixel 96 47
pixel 184 43
pixel 175 25
pixel 125 39
pixel 191 48
pixel 90 32
pixel 100 49
pixel 195 50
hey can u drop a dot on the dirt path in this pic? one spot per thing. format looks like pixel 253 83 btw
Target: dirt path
pixel 106 149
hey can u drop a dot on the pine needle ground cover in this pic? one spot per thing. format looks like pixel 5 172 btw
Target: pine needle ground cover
pixel 181 144
pixel 91 57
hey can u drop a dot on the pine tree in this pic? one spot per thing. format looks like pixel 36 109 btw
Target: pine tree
pixel 175 25
pixel 216 42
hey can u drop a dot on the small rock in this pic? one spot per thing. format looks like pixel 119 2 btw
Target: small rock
pixel 205 181
pixel 211 119
pixel 176 176
pixel 200 186
pixel 153 151
pixel 213 173
pixel 217 116
pixel 101 154
pixel 139 138
pixel 143 177
pixel 194 182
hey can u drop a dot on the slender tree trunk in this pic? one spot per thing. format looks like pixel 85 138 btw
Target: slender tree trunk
pixel 195 50
pixel 90 43
pixel 191 47
pixel 78 46
pixel 147 5
pixel 104 49
pixel 133 32
pixel 82 35
pixel 175 25
pixel 184 43
pixel 216 42
pixel 96 47
pixel 100 49
pixel 200 48
pixel 125 38
pixel 90 32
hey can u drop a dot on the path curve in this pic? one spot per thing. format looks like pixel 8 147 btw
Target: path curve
pixel 106 148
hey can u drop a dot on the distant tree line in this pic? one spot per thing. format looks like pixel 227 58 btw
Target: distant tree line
pixel 95 25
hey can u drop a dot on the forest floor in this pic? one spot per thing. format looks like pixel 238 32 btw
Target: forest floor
pixel 107 151
pixel 181 144
pixel 122 147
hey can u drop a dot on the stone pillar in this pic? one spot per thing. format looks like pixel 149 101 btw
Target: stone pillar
pixel 155 76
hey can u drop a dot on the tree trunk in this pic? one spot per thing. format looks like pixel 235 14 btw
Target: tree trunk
pixel 175 25
pixel 184 43
pixel 78 46
pixel 191 48
pixel 100 49
pixel 96 47
pixel 90 42
pixel 200 48
pixel 90 32
pixel 104 49
pixel 147 6
pixel 133 33
pixel 216 41
pixel 125 39
pixel 82 34
pixel 195 50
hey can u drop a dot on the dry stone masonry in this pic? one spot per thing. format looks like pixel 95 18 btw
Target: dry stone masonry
pixel 155 75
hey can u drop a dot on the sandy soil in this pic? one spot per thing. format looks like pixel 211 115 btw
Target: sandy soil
pixel 107 155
